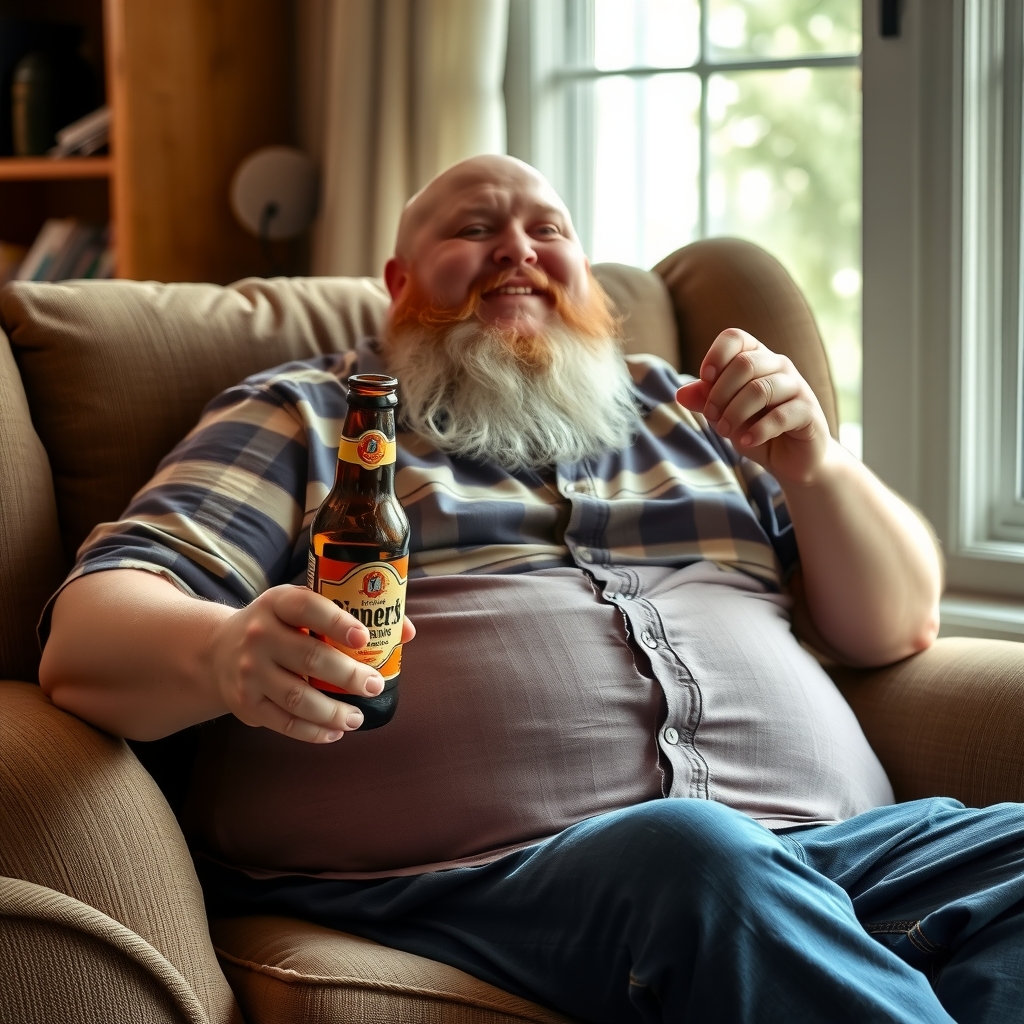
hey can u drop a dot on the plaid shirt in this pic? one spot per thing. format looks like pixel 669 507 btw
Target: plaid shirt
pixel 227 513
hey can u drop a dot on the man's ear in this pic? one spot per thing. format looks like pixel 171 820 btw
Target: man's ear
pixel 396 276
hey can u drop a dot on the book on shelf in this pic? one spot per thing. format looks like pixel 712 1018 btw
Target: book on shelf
pixel 68 249
pixel 85 136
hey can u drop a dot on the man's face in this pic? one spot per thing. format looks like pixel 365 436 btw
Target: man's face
pixel 491 220
pixel 494 310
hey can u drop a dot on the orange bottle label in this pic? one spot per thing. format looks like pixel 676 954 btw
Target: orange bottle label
pixel 374 593
pixel 370 450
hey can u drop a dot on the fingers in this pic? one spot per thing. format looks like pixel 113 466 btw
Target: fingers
pixel 729 344
pixel 693 395
pixel 793 417
pixel 301 608
pixel 287 704
pixel 752 400
pixel 303 655
pixel 264 655
pixel 745 367
pixel 751 394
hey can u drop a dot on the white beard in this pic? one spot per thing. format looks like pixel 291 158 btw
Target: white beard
pixel 467 394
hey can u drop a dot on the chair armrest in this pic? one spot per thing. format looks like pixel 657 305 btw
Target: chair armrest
pixel 82 965
pixel 80 815
pixel 948 721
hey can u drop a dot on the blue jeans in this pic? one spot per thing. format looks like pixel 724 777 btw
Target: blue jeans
pixel 685 910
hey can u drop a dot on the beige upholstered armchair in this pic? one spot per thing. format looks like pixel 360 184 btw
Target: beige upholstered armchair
pixel 101 916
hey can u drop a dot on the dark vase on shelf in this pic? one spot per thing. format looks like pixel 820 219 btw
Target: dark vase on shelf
pixel 45 83
pixel 32 105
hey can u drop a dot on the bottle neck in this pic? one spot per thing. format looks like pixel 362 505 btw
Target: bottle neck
pixel 367 452
pixel 355 479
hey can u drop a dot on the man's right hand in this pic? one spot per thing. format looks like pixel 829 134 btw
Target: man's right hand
pixel 260 656
pixel 131 653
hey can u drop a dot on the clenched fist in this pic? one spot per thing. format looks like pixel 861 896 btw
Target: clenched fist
pixel 757 399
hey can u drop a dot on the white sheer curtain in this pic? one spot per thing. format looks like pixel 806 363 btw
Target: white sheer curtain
pixel 390 93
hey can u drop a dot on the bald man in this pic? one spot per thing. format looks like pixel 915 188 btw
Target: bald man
pixel 617 783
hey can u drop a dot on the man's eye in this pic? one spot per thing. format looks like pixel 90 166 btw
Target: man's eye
pixel 473 231
pixel 546 230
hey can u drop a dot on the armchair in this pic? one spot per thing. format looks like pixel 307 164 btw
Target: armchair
pixel 101 914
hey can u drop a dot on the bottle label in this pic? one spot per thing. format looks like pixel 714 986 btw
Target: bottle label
pixel 374 593
pixel 370 449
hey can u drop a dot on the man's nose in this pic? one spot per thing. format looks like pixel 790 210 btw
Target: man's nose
pixel 514 247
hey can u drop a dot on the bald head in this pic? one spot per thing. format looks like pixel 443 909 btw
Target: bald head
pixel 500 173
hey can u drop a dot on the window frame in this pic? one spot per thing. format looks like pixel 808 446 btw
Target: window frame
pixel 942 285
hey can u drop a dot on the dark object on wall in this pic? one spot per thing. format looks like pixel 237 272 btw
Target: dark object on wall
pixel 891 18
pixel 74 85
pixel 31 104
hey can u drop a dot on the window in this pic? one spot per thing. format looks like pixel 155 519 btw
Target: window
pixel 943 329
pixel 941 223
pixel 664 121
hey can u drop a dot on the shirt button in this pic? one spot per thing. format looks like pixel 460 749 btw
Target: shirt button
pixel 649 640
pixel 583 554
pixel 671 736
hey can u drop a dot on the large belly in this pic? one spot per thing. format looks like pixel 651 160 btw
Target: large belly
pixel 521 712
pixel 771 736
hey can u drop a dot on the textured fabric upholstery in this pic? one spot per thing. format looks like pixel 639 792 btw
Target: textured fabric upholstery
pixel 31 560
pixel 645 309
pixel 117 372
pixel 84 966
pixel 79 815
pixel 726 282
pixel 287 972
pixel 948 721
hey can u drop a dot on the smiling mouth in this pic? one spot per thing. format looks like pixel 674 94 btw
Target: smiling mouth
pixel 515 289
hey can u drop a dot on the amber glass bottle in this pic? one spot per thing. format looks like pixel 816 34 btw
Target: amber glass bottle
pixel 359 541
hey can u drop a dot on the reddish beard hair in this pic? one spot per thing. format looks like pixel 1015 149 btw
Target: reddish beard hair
pixel 592 319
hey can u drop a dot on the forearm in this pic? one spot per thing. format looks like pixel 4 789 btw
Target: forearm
pixel 128 652
pixel 872 574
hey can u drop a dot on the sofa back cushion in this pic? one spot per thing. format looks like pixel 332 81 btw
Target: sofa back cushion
pixel 117 372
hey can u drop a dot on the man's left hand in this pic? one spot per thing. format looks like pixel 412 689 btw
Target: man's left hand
pixel 757 399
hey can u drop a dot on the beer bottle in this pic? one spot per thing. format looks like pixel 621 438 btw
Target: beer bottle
pixel 359 542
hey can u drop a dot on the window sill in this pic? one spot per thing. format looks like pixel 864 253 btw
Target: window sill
pixel 972 615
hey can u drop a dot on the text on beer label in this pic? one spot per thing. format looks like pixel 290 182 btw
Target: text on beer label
pixel 373 593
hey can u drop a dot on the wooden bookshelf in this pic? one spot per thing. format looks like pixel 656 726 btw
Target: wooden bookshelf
pixel 42 168
pixel 193 88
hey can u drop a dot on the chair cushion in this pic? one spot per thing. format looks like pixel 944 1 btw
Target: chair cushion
pixel 285 971
pixel 947 721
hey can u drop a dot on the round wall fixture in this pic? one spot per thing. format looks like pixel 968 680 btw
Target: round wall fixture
pixel 274 192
